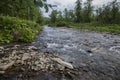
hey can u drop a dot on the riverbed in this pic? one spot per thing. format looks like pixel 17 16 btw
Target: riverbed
pixel 95 55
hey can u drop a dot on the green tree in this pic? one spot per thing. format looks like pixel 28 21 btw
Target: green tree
pixel 109 13
pixel 25 9
pixel 53 16
pixel 66 14
pixel 60 16
pixel 115 12
pixel 88 11
pixel 78 11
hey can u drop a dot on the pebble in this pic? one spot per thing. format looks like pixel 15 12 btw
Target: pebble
pixel 19 58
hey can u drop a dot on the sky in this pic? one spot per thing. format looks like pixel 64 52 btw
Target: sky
pixel 70 4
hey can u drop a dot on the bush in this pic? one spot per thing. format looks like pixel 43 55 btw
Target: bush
pixel 27 35
pixel 12 28
pixel 61 24
pixel 5 37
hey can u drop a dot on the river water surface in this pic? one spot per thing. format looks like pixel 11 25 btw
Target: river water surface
pixel 97 55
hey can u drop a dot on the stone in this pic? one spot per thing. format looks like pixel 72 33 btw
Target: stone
pixel 25 56
pixel 1 48
pixel 96 49
pixel 2 72
pixel 32 48
pixel 6 66
pixel 63 63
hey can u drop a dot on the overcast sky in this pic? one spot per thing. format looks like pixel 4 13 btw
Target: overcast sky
pixel 70 4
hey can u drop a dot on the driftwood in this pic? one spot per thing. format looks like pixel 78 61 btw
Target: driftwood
pixel 63 63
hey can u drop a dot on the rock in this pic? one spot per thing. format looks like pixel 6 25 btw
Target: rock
pixel 96 49
pixel 6 66
pixel 89 51
pixel 32 48
pixel 25 56
pixel 63 63
pixel 2 72
pixel 115 49
pixel 1 48
pixel 15 47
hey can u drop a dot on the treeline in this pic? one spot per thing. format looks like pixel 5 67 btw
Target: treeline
pixel 23 9
pixel 85 13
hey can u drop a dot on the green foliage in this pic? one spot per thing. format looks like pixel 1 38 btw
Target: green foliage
pixel 78 12
pixel 27 35
pixel 87 11
pixel 61 24
pixel 23 9
pixel 112 28
pixel 5 37
pixel 15 29
pixel 109 13
pixel 53 16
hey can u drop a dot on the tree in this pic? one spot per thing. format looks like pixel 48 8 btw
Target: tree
pixel 25 9
pixel 66 14
pixel 109 13
pixel 78 12
pixel 115 12
pixel 88 11
pixel 53 16
pixel 71 15
pixel 60 16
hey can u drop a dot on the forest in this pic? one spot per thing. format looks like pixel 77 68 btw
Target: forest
pixel 87 16
pixel 19 14
pixel 20 19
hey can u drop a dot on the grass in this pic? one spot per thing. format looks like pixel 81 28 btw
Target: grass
pixel 112 28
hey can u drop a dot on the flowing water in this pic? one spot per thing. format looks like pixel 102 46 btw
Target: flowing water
pixel 96 55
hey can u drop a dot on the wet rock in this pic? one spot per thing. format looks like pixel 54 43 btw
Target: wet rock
pixel 115 48
pixel 96 49
pixel 89 51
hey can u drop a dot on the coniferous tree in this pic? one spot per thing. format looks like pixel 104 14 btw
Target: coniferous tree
pixel 53 16
pixel 88 11
pixel 78 13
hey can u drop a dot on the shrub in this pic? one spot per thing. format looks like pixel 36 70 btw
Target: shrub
pixel 12 28
pixel 27 35
pixel 5 37
pixel 61 24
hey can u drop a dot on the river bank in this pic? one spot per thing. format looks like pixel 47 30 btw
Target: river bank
pixel 94 56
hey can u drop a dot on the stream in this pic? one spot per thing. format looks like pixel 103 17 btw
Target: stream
pixel 96 55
